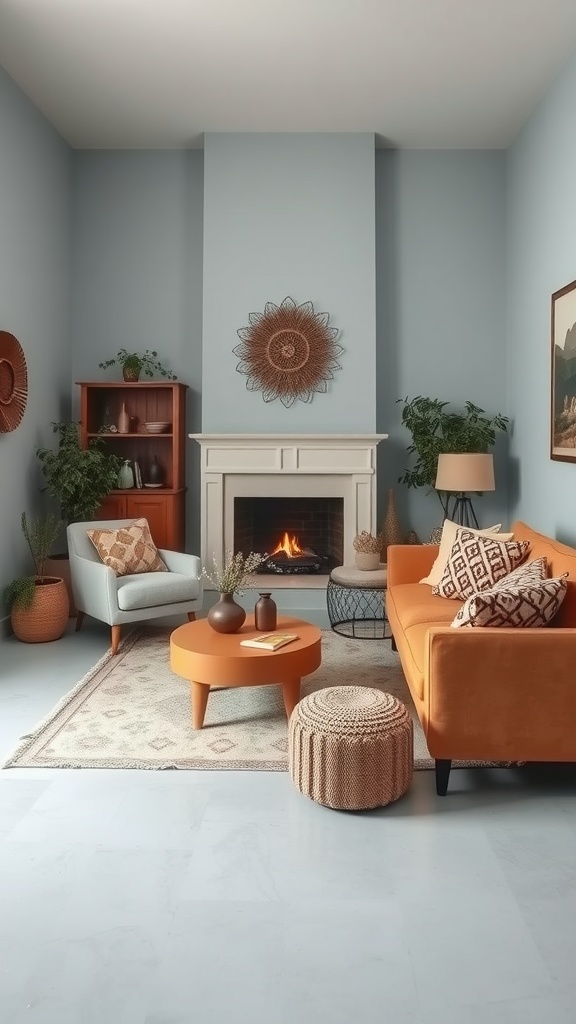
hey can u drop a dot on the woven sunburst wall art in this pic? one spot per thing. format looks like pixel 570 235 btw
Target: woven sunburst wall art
pixel 288 352
pixel 13 382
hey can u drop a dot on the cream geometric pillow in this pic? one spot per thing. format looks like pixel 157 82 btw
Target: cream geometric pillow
pixel 528 605
pixel 449 530
pixel 477 563
pixel 128 549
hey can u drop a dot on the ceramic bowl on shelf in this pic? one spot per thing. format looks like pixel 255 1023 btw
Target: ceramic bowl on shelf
pixel 159 427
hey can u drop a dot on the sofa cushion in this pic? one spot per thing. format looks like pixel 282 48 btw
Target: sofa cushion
pixel 414 603
pixel 448 536
pixel 149 589
pixel 128 549
pixel 477 563
pixel 513 605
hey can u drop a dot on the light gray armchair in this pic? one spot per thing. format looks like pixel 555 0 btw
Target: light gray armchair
pixel 99 592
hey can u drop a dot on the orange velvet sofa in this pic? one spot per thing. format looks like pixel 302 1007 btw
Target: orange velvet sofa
pixel 483 693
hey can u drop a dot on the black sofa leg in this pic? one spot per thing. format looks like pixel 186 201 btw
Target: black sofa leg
pixel 442 775
pixel 393 644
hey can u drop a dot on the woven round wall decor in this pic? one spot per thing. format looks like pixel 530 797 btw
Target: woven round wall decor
pixel 13 382
pixel 288 352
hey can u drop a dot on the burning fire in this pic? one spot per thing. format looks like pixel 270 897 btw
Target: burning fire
pixel 290 547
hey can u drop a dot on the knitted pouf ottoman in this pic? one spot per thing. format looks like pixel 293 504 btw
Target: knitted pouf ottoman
pixel 351 747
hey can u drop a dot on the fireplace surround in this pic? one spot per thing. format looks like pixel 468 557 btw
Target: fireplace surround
pixel 312 466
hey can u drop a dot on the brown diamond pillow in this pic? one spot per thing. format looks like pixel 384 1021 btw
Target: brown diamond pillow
pixel 128 549
pixel 477 563
pixel 532 604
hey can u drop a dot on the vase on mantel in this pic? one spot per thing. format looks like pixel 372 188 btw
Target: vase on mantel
pixel 391 529
pixel 226 616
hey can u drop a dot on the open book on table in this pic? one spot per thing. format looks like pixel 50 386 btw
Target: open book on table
pixel 269 641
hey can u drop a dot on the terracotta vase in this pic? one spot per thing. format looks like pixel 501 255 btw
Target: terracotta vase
pixel 391 529
pixel 124 420
pixel 226 616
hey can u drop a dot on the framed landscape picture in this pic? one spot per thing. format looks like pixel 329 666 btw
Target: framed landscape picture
pixel 563 417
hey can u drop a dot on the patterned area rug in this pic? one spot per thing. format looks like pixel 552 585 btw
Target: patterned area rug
pixel 132 711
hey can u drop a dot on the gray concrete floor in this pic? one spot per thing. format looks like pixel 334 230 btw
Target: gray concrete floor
pixel 171 897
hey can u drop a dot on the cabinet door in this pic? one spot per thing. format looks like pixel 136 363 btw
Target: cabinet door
pixel 154 508
pixel 113 507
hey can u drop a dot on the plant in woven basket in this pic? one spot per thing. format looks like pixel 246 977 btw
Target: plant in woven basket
pixel 135 363
pixel 367 543
pixel 40 534
pixel 235 573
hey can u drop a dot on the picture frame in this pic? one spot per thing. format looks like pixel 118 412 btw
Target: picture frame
pixel 563 374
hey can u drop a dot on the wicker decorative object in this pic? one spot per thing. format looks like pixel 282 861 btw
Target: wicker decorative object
pixel 13 382
pixel 47 617
pixel 288 352
pixel 391 529
pixel 351 747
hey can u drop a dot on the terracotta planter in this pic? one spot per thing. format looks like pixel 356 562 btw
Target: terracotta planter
pixel 47 617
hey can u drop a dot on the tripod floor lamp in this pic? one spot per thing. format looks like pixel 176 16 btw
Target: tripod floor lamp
pixel 462 475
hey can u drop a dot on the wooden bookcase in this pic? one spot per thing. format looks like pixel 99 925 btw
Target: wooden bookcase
pixel 155 401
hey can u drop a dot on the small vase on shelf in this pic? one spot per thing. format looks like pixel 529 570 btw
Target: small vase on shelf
pixel 123 420
pixel 226 616
pixel 156 473
pixel 265 613
pixel 126 476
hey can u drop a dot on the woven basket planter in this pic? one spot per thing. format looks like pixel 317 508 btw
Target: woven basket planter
pixel 47 617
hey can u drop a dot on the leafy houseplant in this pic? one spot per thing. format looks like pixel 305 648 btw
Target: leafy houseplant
pixel 436 431
pixel 135 363
pixel 79 478
pixel 38 604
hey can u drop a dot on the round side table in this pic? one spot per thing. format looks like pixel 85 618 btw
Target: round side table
pixel 355 599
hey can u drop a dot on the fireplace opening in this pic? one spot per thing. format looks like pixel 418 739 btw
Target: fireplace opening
pixel 300 535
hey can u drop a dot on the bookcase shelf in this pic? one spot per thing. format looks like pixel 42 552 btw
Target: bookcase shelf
pixel 101 403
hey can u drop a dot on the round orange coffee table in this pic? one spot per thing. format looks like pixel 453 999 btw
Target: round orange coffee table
pixel 207 658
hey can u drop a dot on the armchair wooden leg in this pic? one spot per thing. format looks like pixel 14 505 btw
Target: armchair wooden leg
pixel 116 630
pixel 393 644
pixel 79 620
pixel 443 767
pixel 191 616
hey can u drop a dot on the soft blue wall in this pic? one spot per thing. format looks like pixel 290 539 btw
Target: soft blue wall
pixel 289 215
pixel 541 259
pixel 137 272
pixel 441 302
pixel 34 302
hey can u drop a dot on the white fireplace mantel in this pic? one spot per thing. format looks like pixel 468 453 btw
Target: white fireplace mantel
pixel 285 465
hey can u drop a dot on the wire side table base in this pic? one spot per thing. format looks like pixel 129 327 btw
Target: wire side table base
pixel 357 612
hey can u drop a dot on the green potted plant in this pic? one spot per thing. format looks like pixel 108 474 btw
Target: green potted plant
pixel 436 431
pixel 78 478
pixel 38 604
pixel 135 363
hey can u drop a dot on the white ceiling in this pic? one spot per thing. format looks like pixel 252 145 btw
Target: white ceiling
pixel 159 73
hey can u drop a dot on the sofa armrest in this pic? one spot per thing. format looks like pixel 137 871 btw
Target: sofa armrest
pixel 508 693
pixel 179 561
pixel 409 563
pixel 94 587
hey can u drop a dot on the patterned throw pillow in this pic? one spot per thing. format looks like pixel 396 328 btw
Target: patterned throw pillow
pixel 477 563
pixel 128 549
pixel 446 540
pixel 533 604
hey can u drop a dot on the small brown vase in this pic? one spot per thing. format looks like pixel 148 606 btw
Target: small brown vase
pixel 226 616
pixel 265 613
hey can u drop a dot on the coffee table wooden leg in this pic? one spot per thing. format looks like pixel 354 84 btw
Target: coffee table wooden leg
pixel 199 693
pixel 291 694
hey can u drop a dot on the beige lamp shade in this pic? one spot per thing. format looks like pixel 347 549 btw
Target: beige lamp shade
pixel 466 472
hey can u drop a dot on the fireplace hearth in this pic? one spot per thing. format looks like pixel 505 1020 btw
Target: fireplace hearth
pixel 302 536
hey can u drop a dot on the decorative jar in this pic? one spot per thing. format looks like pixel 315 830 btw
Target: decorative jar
pixel 226 616
pixel 265 613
